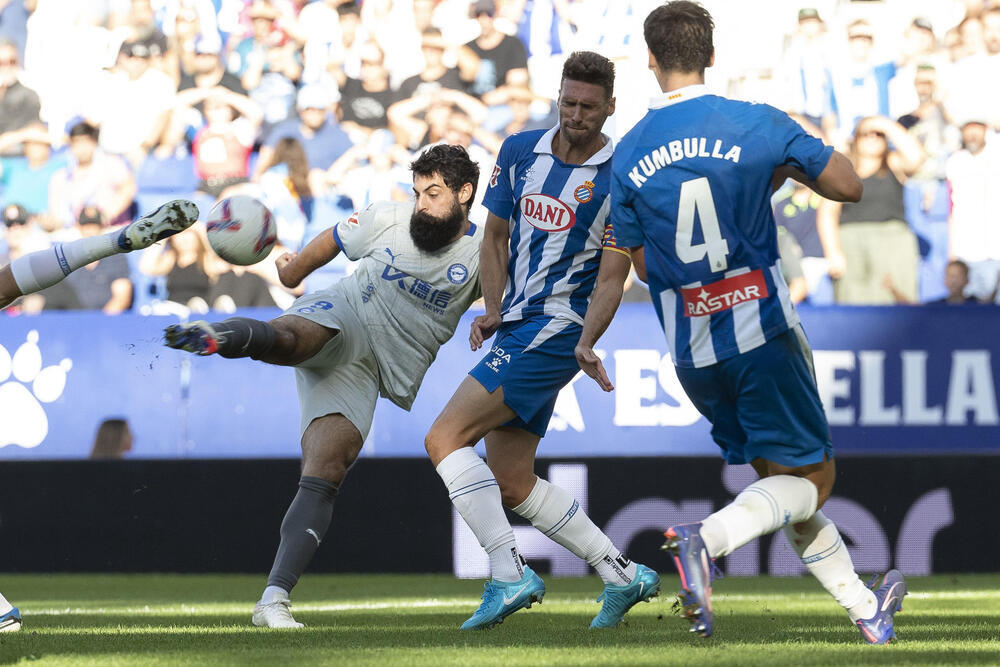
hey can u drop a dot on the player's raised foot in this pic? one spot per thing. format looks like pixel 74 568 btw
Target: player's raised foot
pixel 173 217
pixel 619 599
pixel 695 567
pixel 11 621
pixel 502 598
pixel 880 628
pixel 197 337
pixel 275 614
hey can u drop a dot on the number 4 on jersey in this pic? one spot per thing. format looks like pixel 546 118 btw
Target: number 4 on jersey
pixel 696 195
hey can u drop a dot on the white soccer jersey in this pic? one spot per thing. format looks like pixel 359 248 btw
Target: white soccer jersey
pixel 410 300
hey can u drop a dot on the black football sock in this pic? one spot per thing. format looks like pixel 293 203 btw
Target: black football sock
pixel 302 530
pixel 243 337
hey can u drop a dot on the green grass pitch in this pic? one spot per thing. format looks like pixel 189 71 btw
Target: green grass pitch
pixel 413 620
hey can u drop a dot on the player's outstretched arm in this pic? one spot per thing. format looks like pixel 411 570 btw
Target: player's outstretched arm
pixel 615 265
pixel 493 255
pixel 293 267
pixel 838 181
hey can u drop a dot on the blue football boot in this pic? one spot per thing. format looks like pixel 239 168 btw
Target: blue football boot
pixel 503 598
pixel 695 567
pixel 11 621
pixel 879 628
pixel 619 599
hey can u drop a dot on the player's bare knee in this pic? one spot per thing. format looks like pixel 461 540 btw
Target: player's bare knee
pixel 438 444
pixel 513 492
pixel 330 446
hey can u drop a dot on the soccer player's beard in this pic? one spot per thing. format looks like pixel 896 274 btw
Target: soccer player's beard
pixel 431 233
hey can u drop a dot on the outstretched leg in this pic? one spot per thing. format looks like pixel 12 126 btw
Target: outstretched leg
pixel 44 268
pixel 288 340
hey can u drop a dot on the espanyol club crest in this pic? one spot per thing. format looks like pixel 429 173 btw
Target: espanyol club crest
pixel 584 193
pixel 458 274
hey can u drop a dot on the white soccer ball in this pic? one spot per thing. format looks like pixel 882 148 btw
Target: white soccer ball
pixel 241 230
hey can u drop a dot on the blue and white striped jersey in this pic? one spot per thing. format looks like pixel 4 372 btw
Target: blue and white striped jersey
pixel 692 183
pixel 558 216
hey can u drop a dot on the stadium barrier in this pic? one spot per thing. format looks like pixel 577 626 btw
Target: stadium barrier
pixel 921 515
pixel 894 380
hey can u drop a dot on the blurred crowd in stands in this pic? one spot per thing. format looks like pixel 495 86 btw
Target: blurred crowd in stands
pixel 109 108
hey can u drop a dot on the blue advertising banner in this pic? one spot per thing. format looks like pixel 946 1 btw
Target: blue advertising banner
pixel 893 380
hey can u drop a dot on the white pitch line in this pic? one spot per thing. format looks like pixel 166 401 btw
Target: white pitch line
pixel 431 603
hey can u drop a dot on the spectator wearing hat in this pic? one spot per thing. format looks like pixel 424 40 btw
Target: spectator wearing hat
pixel 101 285
pixel 19 105
pixel 974 225
pixel 91 176
pixel 269 65
pixel 503 59
pixel 25 180
pixel 316 128
pixel 134 104
pixel 805 69
pixel 860 82
pixel 20 234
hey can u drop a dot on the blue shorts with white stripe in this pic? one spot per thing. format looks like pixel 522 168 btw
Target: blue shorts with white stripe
pixel 532 360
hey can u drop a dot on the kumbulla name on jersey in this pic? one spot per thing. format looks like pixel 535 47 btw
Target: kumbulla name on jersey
pixel 676 150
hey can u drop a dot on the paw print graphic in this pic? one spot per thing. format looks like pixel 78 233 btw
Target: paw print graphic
pixel 22 418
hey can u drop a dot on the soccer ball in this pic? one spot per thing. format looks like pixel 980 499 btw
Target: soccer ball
pixel 241 230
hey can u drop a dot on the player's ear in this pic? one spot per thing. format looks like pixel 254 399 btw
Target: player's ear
pixel 465 193
pixel 652 61
pixel 611 106
pixel 711 61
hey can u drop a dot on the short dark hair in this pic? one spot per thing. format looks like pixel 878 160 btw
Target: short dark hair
pixel 590 67
pixel 452 163
pixel 960 264
pixel 679 35
pixel 84 129
pixel 348 8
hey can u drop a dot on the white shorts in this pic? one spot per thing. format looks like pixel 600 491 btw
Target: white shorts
pixel 343 376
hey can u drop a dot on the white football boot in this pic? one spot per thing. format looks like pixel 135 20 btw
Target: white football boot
pixel 173 217
pixel 275 614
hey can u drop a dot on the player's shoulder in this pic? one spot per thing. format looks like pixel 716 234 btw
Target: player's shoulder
pixel 522 143
pixel 382 215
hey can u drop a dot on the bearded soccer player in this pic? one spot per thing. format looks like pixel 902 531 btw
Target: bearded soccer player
pixel 549 239
pixel 376 331
pixel 691 191
pixel 44 268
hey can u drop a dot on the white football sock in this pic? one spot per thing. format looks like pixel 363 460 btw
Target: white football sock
pixel 558 516
pixel 761 508
pixel 44 268
pixel 476 495
pixel 823 552
pixel 271 593
pixel 4 605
